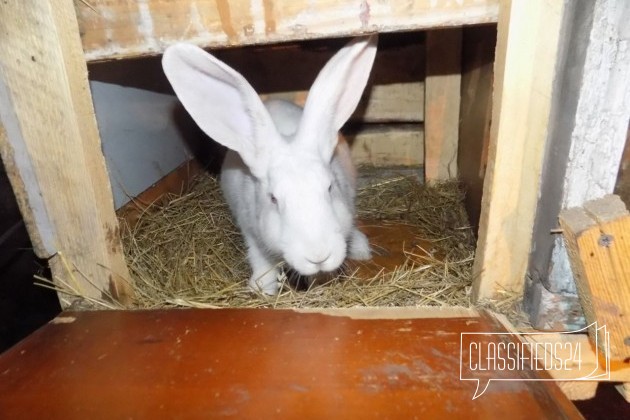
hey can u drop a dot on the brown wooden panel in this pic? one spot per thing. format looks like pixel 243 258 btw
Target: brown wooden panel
pixel 475 113
pixel 442 98
pixel 253 363
pixel 124 28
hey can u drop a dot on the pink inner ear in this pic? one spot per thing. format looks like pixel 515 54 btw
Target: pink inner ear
pixel 221 102
pixel 344 157
pixel 337 90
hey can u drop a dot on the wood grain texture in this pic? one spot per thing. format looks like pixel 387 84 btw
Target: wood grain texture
pixel 125 28
pixel 597 238
pixel 387 145
pixel 52 147
pixel 524 71
pixel 442 100
pixel 253 363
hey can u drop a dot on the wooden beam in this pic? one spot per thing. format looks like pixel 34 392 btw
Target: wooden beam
pixel 524 71
pixel 597 238
pixel 442 99
pixel 125 28
pixel 51 148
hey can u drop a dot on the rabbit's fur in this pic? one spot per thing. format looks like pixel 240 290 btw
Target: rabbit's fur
pixel 289 182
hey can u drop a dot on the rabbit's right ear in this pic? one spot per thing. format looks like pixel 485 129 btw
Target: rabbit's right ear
pixel 222 103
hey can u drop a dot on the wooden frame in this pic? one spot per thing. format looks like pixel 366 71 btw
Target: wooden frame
pixel 127 28
pixel 76 219
pixel 51 148
pixel 524 71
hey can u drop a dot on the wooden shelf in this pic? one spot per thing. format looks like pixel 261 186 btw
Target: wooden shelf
pixel 261 363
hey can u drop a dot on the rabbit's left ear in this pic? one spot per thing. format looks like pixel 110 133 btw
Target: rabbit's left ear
pixel 222 103
pixel 336 92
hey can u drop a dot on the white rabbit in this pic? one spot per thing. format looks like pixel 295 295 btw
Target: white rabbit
pixel 289 182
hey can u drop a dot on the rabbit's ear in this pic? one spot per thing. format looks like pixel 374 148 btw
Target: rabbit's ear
pixel 222 103
pixel 336 92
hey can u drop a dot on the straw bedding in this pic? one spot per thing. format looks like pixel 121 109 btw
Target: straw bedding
pixel 185 251
pixel 188 252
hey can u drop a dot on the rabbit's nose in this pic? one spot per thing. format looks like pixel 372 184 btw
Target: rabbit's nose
pixel 318 259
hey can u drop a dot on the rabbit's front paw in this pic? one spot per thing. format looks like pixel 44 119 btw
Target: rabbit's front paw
pixel 359 246
pixel 265 282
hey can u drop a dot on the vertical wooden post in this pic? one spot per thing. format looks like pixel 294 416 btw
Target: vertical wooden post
pixel 51 147
pixel 442 96
pixel 524 71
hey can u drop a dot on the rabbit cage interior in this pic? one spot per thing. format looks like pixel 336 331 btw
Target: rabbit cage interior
pixel 420 170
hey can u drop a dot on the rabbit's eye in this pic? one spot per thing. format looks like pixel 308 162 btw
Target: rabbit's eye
pixel 330 187
pixel 273 199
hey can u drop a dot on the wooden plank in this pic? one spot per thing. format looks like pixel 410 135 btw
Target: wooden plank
pixel 387 145
pixel 597 238
pixel 52 148
pixel 479 43
pixel 125 28
pixel 442 99
pixel 525 64
pixel 404 312
pixel 256 363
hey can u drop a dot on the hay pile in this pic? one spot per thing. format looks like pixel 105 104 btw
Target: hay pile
pixel 188 252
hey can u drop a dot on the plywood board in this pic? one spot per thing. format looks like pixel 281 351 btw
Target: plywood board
pixel 125 28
